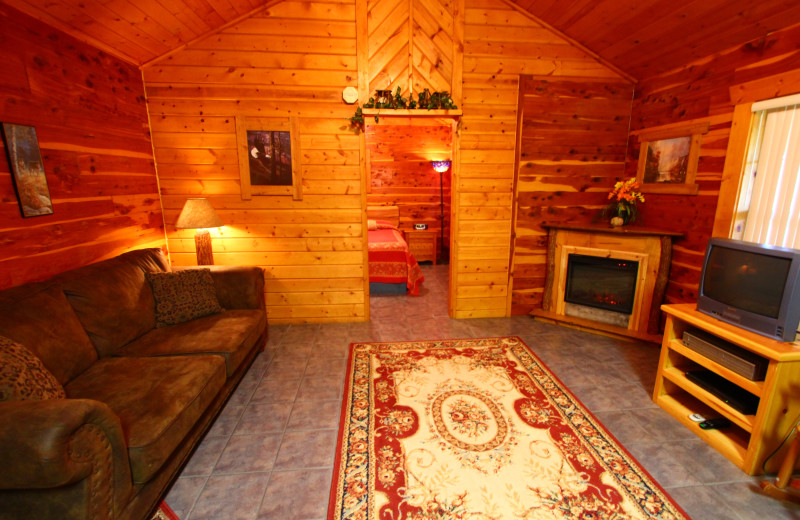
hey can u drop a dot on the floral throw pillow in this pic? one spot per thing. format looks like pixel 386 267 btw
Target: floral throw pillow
pixel 183 295
pixel 23 377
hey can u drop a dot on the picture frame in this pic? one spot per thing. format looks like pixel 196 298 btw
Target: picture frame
pixel 27 170
pixel 668 159
pixel 269 156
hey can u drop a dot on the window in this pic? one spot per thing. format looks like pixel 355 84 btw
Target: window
pixel 768 208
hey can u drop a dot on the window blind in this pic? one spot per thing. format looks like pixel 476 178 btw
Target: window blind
pixel 769 204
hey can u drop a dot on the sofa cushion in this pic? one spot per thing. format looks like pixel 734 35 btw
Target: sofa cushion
pixel 112 299
pixel 39 316
pixel 23 377
pixel 230 334
pixel 183 295
pixel 158 400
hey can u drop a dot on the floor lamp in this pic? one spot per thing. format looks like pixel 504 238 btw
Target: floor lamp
pixel 200 215
pixel 441 167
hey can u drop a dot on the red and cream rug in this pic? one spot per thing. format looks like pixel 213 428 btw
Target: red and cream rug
pixel 164 513
pixel 477 429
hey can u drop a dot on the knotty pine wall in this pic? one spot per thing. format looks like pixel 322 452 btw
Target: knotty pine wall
pixel 400 151
pixel 293 59
pixel 573 134
pixel 89 112
pixel 707 90
pixel 500 44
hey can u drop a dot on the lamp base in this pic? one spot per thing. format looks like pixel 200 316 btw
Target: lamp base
pixel 202 244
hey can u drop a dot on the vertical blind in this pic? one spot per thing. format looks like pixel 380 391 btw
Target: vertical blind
pixel 769 202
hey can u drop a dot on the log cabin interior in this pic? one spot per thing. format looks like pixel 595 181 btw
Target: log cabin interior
pixel 139 106
pixel 135 108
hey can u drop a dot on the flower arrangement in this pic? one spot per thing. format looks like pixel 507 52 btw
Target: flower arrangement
pixel 624 199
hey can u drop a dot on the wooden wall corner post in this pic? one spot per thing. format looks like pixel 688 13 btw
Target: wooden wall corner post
pixel 735 155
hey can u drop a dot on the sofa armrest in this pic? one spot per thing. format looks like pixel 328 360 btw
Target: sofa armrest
pixel 238 287
pixel 56 442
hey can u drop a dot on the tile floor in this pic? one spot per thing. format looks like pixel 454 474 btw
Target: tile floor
pixel 270 453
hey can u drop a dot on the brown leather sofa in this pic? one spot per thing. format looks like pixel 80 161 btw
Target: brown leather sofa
pixel 139 398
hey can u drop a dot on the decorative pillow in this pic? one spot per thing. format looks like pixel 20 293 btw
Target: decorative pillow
pixel 23 377
pixel 183 295
pixel 372 225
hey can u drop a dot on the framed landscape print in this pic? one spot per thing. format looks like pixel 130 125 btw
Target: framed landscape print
pixel 25 162
pixel 269 156
pixel 668 159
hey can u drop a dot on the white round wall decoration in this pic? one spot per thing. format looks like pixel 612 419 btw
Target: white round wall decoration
pixel 350 95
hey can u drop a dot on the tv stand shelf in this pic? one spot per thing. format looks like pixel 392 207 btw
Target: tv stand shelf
pixel 751 438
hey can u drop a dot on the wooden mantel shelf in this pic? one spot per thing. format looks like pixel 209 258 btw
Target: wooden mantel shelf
pixel 620 230
pixel 405 112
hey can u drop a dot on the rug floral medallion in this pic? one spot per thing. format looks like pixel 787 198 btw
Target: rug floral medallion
pixel 477 429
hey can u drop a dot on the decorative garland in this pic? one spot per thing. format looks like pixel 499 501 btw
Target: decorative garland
pixel 384 99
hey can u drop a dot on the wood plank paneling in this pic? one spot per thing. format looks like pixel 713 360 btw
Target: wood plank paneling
pixel 701 92
pixel 649 37
pixel 293 59
pixel 572 150
pixel 500 42
pixel 91 122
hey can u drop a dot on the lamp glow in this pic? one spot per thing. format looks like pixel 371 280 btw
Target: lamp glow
pixel 440 166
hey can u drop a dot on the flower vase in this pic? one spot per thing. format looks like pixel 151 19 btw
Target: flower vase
pixel 617 222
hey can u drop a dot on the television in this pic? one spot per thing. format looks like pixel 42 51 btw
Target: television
pixel 753 286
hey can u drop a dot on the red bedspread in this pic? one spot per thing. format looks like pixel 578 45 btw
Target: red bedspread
pixel 390 261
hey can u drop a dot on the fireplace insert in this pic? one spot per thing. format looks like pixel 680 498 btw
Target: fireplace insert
pixel 600 282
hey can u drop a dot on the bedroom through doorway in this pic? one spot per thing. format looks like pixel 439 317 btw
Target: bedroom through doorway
pixel 408 185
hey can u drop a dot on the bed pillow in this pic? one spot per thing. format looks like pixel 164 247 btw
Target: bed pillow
pixel 183 295
pixel 380 224
pixel 23 376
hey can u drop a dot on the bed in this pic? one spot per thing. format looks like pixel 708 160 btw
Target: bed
pixel 392 267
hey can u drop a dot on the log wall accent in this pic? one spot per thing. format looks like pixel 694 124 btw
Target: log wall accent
pixel 292 60
pixel 696 93
pixel 400 154
pixel 500 43
pixel 90 118
pixel 573 134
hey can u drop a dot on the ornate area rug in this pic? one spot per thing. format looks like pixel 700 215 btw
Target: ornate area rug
pixel 477 429
pixel 164 513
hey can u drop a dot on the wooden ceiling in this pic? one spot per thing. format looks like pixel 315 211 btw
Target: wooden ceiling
pixel 640 37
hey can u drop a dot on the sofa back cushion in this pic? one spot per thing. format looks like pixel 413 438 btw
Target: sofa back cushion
pixel 112 299
pixel 23 377
pixel 39 316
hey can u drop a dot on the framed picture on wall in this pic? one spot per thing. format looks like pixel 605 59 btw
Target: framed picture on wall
pixel 269 156
pixel 27 169
pixel 668 159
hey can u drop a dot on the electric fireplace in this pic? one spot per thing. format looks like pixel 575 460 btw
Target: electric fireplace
pixel 602 283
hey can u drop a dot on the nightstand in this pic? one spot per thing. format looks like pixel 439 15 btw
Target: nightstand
pixel 422 244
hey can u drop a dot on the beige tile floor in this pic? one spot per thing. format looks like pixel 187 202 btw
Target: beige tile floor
pixel 270 453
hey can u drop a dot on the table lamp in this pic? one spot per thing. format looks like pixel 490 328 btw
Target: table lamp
pixel 198 214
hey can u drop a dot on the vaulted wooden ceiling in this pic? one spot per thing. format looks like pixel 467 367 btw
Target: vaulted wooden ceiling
pixel 640 37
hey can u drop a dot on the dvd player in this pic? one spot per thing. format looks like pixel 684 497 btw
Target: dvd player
pixel 735 396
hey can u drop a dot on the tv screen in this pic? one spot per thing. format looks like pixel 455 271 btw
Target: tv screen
pixel 749 281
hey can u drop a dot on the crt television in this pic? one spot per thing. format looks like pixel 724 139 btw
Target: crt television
pixel 753 286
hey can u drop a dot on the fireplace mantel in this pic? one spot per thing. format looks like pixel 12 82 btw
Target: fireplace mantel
pixel 650 246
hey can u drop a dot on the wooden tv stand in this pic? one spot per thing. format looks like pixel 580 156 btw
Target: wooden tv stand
pixel 751 438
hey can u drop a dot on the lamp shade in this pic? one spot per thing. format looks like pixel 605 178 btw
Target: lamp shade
pixel 440 166
pixel 197 214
